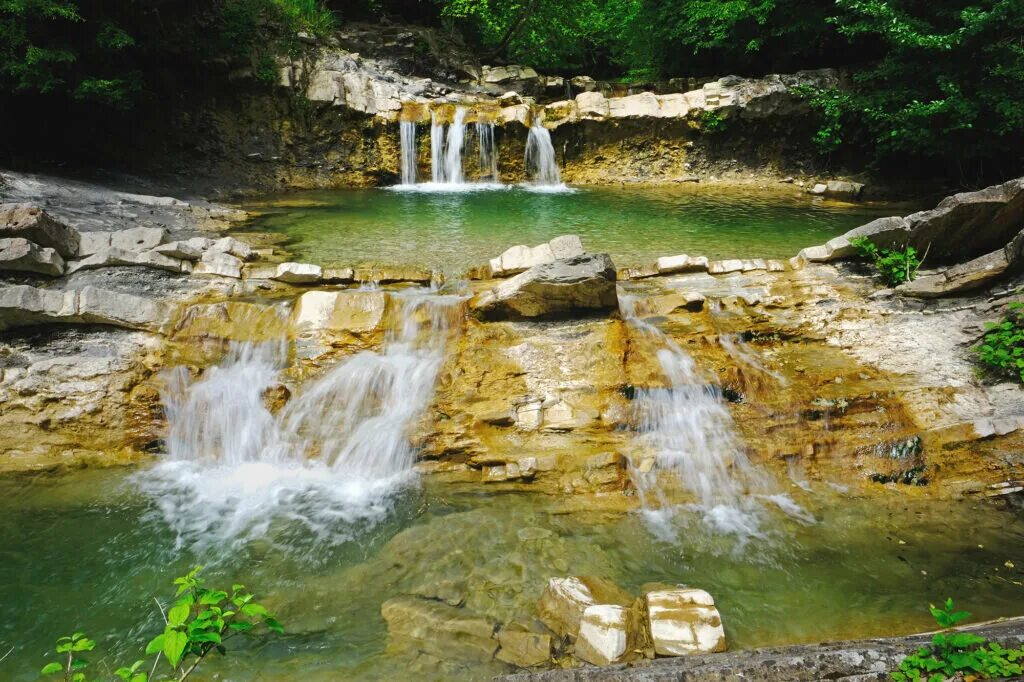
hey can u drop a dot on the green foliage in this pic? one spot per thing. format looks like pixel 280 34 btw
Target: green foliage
pixel 896 266
pixel 197 622
pixel 1002 348
pixel 953 653
pixel 831 106
pixel 712 121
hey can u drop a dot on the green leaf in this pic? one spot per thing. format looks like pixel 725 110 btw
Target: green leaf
pixel 51 668
pixel 241 626
pixel 175 642
pixel 213 597
pixel 83 645
pixel 253 610
pixel 273 625
pixel 206 637
pixel 156 644
pixel 177 615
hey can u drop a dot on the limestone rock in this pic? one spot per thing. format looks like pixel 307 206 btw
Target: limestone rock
pixel 21 255
pixel 668 265
pixel 684 621
pixel 439 629
pixel 37 226
pixel 516 259
pixel 604 636
pixel 524 649
pixel 819 188
pixel 722 267
pixel 846 190
pixel 565 600
pixel 236 248
pixel 218 264
pixel 592 105
pixel 970 275
pixel 299 273
pixel 357 312
pixel 138 238
pixel 182 250
pixel 562 287
pixel 505 74
pixel 113 256
pixel 22 306
pixel 393 274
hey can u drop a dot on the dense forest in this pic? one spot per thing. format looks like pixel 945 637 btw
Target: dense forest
pixel 939 81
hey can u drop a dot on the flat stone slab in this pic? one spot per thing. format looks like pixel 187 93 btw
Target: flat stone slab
pixel 584 284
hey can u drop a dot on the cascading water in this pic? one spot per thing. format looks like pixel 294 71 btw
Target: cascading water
pixel 540 157
pixel 437 174
pixel 333 458
pixel 446 150
pixel 688 431
pixel 407 134
pixel 488 151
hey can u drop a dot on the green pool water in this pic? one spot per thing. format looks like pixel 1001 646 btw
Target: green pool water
pixel 87 551
pixel 457 230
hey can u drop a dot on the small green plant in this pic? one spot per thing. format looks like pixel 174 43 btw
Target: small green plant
pixel 198 622
pixel 952 653
pixel 895 266
pixel 1002 348
pixel 712 121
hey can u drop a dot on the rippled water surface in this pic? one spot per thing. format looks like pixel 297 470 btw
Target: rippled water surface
pixel 457 230
pixel 89 550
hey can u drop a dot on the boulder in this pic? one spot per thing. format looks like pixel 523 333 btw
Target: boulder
pixel 565 600
pixel 819 188
pixel 968 276
pixel 356 312
pixel 110 257
pixel 516 259
pixel 234 247
pixel 560 288
pixel 524 649
pixel 592 105
pixel 604 637
pixel 505 74
pixel 37 226
pixel 299 273
pixel 218 264
pixel 21 255
pixel 22 306
pixel 684 621
pixel 445 631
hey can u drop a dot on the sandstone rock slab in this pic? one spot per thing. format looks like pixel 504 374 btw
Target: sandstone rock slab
pixel 519 258
pixel 110 257
pixel 604 637
pixel 299 273
pixel 684 621
pixel 218 264
pixel 439 629
pixel 524 649
pixel 22 306
pixel 565 600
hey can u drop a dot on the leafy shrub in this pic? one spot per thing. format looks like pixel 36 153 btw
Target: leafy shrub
pixel 895 266
pixel 712 121
pixel 951 653
pixel 1002 349
pixel 199 621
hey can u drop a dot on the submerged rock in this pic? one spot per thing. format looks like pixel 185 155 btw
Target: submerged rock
pixel 21 255
pixel 524 649
pixel 684 621
pixel 35 225
pixel 566 600
pixel 579 284
pixel 439 629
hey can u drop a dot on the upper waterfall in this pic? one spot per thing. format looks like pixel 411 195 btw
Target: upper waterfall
pixel 540 156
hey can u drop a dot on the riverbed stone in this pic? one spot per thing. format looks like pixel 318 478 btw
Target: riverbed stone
pixel 723 267
pixel 843 189
pixel 565 600
pixel 439 629
pixel 35 225
pixel 524 649
pixel 670 265
pixel 21 255
pixel 684 621
pixel 234 247
pixel 299 273
pixel 356 312
pixel 560 288
pixel 182 250
pixel 138 238
pixel 604 636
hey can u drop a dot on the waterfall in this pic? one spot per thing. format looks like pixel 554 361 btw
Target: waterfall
pixel 488 151
pixel 686 432
pixel 332 459
pixel 437 174
pixel 446 150
pixel 407 133
pixel 540 156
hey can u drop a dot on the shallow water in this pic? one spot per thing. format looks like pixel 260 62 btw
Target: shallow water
pixel 453 231
pixel 88 551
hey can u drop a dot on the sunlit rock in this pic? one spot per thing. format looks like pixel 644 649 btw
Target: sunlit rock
pixel 218 264
pixel 565 600
pixel 516 259
pixel 37 226
pixel 843 189
pixel 21 255
pixel 684 621
pixel 722 267
pixel 592 105
pixel 667 265
pixel 23 305
pixel 182 250
pixel 115 256
pixel 571 285
pixel 604 637
pixel 236 248
pixel 299 273
pixel 524 649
